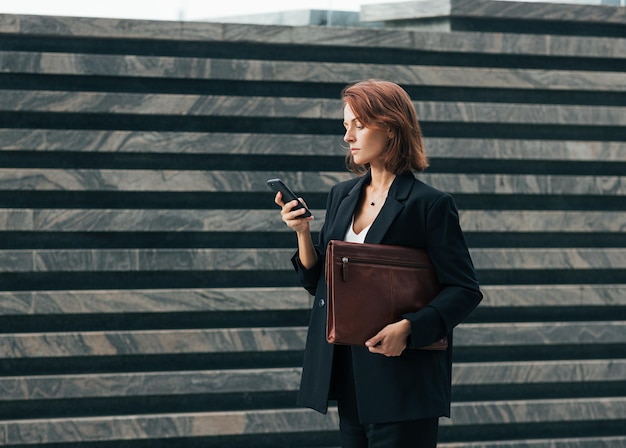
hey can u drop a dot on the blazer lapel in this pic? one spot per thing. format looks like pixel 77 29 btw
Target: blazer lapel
pixel 399 191
pixel 346 208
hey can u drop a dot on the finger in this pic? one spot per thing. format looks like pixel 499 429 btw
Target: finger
pixel 278 199
pixel 374 350
pixel 380 350
pixel 303 203
pixel 290 211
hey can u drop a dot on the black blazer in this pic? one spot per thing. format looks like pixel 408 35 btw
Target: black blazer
pixel 416 384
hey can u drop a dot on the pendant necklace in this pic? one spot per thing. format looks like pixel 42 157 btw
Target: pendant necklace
pixel 377 198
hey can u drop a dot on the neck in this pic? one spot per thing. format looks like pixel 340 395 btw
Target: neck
pixel 381 179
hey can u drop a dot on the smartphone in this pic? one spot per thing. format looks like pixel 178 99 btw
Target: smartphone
pixel 288 195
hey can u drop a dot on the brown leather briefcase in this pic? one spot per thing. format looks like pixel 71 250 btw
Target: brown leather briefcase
pixel 373 285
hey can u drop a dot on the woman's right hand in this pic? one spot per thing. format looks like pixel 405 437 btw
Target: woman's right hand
pixel 293 217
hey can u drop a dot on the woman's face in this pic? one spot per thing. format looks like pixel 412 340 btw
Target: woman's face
pixel 366 144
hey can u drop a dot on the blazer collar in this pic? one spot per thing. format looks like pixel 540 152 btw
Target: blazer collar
pixel 398 193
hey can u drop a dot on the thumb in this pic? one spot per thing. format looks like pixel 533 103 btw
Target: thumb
pixel 374 341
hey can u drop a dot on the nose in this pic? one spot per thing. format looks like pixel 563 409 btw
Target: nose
pixel 348 136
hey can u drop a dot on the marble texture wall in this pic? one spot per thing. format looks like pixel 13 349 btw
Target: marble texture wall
pixel 488 9
pixel 575 46
pixel 145 289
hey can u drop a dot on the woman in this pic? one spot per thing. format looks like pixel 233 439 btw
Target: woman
pixel 389 393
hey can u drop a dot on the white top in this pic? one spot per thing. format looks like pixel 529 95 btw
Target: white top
pixel 352 237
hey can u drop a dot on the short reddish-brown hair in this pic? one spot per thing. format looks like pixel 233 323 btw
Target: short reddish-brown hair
pixel 385 105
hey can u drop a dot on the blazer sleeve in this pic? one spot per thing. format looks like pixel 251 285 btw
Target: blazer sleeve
pixel 454 268
pixel 309 277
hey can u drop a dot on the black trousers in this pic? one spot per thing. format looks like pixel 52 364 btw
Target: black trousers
pixel 420 433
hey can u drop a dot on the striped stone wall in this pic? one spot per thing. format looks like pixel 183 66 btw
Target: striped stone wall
pixel 146 294
pixel 562 17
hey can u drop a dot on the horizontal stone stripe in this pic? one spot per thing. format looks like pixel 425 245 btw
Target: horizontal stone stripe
pixel 581 442
pixel 570 12
pixel 539 372
pixel 35 179
pixel 264 107
pixel 408 10
pixel 242 340
pixel 496 296
pixel 294 144
pixel 465 42
pixel 581 258
pixel 57 26
pixel 90 260
pixel 153 301
pixel 301 72
pixel 273 299
pixel 488 9
pixel 171 220
pixel 178 142
pixel 164 426
pixel 543 333
pixel 51 387
pixel 503 149
pixel 167 104
pixel 144 259
pixel 151 342
pixel 216 220
pixel 537 411
pixel 163 180
pixel 54 387
pixel 542 221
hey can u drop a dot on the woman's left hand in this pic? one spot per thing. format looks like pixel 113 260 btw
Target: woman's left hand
pixel 391 340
